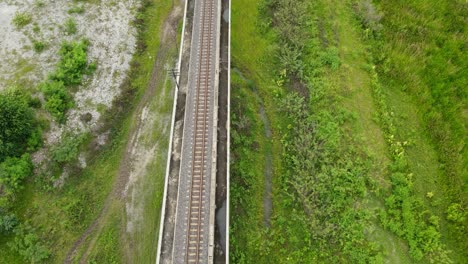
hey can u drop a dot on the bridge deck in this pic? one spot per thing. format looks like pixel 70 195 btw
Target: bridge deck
pixel 194 218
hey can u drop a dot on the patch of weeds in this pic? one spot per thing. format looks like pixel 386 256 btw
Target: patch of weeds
pixel 70 70
pixel 79 9
pixel 69 148
pixel 36 28
pixel 101 108
pixel 21 19
pixel 39 3
pixel 70 26
pixel 38 46
pixel 29 245
pixel 58 100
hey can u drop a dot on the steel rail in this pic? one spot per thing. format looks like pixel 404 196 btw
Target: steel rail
pixel 203 61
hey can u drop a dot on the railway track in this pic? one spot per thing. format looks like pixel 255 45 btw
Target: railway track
pixel 196 215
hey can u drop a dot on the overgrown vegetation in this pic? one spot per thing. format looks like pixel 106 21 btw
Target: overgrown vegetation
pixel 28 244
pixel 17 123
pixel 70 70
pixel 20 133
pixel 334 79
pixel 51 219
pixel 430 34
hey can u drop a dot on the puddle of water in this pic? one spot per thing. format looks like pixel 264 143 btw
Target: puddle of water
pixel 267 196
pixel 221 223
pixel 226 15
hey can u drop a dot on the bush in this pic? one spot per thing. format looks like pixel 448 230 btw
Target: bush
pixel 68 149
pixel 7 223
pixel 21 19
pixel 16 123
pixel 70 70
pixel 455 213
pixel 58 100
pixel 73 63
pixel 13 171
pixel 28 245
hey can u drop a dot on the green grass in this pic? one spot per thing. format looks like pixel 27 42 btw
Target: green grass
pixel 422 64
pixel 249 54
pixel 357 110
pixel 21 19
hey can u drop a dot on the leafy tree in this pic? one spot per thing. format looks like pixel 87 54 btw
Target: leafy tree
pixel 16 123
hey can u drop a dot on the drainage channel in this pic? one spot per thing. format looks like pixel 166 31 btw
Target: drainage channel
pixel 221 228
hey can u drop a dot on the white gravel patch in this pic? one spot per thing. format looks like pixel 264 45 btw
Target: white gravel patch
pixel 106 24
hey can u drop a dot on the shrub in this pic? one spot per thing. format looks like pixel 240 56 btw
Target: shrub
pixel 7 223
pixel 28 245
pixel 70 70
pixel 369 16
pixel 455 213
pixel 21 19
pixel 68 149
pixel 13 171
pixel 16 123
pixel 73 64
pixel 36 28
pixel 58 100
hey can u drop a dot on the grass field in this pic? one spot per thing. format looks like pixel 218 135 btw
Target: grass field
pixel 367 74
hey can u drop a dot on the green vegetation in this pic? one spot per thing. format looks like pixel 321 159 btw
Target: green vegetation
pixel 12 173
pixel 49 220
pixel 73 64
pixel 21 19
pixel 17 123
pixel 68 149
pixel 70 26
pixel 351 94
pixel 28 244
pixel 20 133
pixel 78 9
pixel 70 70
pixel 112 239
pixel 58 100
pixel 36 28
pixel 38 46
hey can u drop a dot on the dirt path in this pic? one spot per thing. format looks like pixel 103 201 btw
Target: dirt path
pixel 168 40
